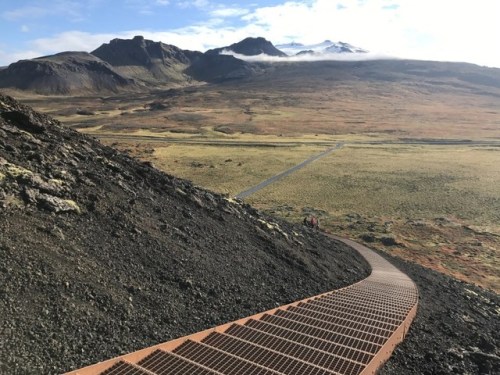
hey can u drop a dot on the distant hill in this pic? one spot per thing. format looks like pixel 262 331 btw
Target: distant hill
pixel 64 73
pixel 153 63
pixel 218 68
pixel 250 47
pixel 433 73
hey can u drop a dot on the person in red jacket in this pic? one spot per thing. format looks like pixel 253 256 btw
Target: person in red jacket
pixel 311 222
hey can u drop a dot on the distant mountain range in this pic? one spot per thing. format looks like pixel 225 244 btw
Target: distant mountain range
pixel 326 47
pixel 129 64
pixel 138 64
pixel 121 64
pixel 260 46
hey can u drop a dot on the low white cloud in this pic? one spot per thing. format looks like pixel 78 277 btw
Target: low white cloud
pixel 309 57
pixel 7 58
pixel 71 41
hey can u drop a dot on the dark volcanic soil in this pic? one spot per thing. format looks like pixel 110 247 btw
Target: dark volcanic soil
pixel 456 330
pixel 101 254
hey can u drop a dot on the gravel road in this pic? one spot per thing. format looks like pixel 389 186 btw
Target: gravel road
pixel 288 172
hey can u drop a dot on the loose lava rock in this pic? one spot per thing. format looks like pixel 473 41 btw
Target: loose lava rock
pixel 101 254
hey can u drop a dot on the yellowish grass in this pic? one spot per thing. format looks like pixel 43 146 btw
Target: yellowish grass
pixel 228 169
pixel 397 181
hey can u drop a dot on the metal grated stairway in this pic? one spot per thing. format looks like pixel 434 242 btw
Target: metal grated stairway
pixel 347 331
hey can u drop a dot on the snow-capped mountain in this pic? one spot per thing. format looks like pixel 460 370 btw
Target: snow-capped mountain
pixel 292 49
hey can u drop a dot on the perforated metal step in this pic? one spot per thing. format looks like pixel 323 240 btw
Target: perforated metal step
pixel 350 331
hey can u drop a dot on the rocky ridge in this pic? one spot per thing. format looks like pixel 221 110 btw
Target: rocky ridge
pixel 153 63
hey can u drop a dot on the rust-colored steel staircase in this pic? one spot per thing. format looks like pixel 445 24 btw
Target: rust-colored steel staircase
pixel 347 331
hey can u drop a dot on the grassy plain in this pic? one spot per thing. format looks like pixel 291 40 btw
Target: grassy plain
pixel 437 205
pixel 228 169
pixel 400 181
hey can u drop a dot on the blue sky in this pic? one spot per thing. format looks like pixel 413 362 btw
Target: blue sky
pixel 453 30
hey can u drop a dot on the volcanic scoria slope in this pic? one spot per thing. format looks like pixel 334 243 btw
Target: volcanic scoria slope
pixel 101 254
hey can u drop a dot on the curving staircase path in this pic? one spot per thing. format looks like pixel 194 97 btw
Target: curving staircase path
pixel 347 331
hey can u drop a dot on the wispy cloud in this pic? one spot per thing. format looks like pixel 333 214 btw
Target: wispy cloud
pixel 146 7
pixel 71 41
pixel 193 4
pixel 187 38
pixel 6 57
pixel 26 12
pixel 229 12
pixel 70 9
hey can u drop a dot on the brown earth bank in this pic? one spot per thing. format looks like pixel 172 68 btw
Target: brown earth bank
pixel 101 254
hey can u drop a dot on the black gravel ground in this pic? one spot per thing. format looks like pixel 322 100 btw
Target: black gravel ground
pixel 102 255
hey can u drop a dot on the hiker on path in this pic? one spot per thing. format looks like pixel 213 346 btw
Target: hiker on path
pixel 311 222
